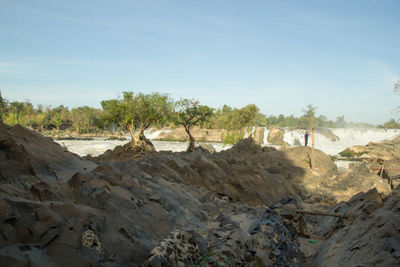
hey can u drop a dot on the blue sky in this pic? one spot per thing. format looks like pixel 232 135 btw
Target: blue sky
pixel 339 55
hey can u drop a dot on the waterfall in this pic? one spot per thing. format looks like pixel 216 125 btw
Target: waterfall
pixel 347 138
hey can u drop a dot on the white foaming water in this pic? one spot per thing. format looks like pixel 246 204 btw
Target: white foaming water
pixel 93 147
pixel 347 138
pixel 266 133
pixel 150 134
pixel 100 145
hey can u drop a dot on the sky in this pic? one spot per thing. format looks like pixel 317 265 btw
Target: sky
pixel 341 56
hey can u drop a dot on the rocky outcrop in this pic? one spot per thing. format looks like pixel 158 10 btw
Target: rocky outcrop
pixel 258 135
pixel 57 209
pixel 198 133
pixel 167 209
pixel 125 152
pixel 382 158
pixel 328 134
pixel 369 237
pixel 386 150
pixel 358 178
pixel 34 166
pixel 275 136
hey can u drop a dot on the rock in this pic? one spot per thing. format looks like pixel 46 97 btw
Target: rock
pixel 49 236
pixel 177 209
pixel 275 136
pixel 198 133
pixel 126 152
pixel 358 179
pixel 259 135
pixel 367 240
pixel 328 134
pixel 44 192
pixel 12 256
pixel 207 147
pixel 178 249
pixel 273 242
pixel 382 154
pixel 90 240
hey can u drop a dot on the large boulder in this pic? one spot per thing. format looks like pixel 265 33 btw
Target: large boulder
pixel 126 152
pixel 370 236
pixel 358 178
pixel 275 136
pixel 34 166
pixel 258 135
pixel 328 134
pixel 382 158
pixel 198 133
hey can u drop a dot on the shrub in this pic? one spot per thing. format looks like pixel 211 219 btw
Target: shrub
pixel 347 153
pixel 232 137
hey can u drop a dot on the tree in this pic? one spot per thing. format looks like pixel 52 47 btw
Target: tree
pixel 59 116
pixel 15 112
pixel 392 124
pixel 27 114
pixel 189 113
pixel 152 110
pixel 340 122
pixel 137 113
pixel 3 108
pixel 247 115
pixel 308 119
pixel 309 111
pixel 85 118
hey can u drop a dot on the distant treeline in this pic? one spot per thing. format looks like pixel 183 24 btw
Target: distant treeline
pixel 92 120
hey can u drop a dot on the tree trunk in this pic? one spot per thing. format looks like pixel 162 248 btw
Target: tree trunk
pixel 141 134
pixel 191 140
pixel 132 132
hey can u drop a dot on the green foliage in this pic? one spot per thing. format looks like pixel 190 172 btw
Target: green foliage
pixel 152 109
pixel 392 124
pixel 189 113
pixel 309 119
pixel 347 153
pixel 232 137
pixel 236 119
pixel 3 108
pixel 137 112
pixel 85 119
pixel 203 260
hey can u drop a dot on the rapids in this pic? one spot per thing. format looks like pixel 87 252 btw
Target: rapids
pixel 347 138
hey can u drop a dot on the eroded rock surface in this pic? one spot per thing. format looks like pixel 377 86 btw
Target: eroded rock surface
pixel 370 237
pixel 177 209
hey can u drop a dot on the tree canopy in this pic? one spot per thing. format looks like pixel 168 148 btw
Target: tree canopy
pixel 189 113
pixel 136 113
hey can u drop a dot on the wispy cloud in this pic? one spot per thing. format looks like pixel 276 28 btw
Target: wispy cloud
pixel 5 67
pixel 72 19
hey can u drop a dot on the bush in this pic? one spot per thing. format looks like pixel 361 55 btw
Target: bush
pixel 232 137
pixel 347 153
